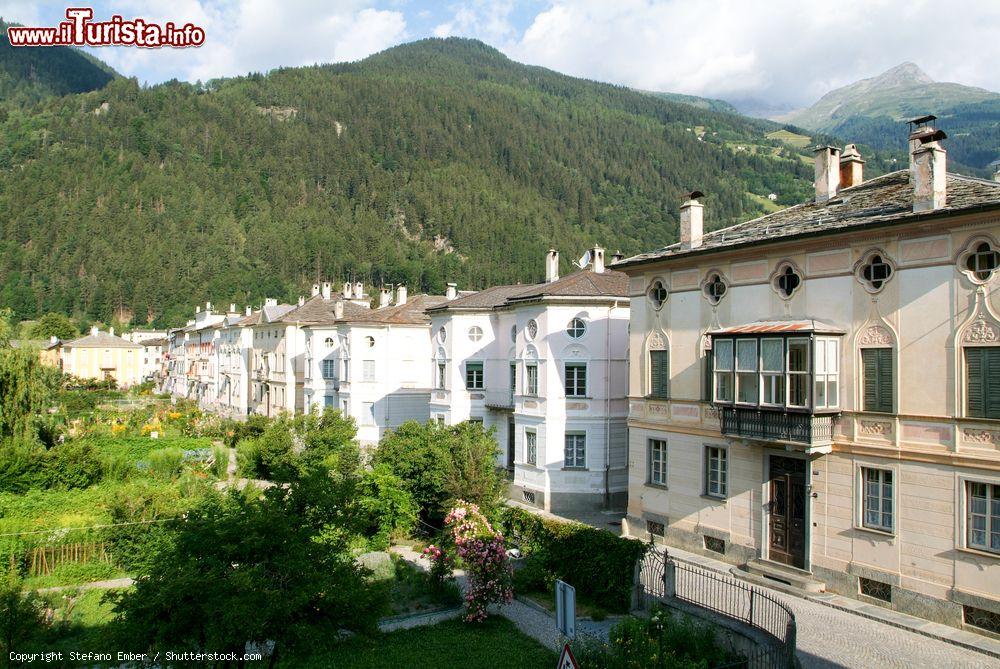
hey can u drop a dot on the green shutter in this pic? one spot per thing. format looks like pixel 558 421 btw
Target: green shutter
pixel 659 373
pixel 975 406
pixel 991 374
pixel 878 379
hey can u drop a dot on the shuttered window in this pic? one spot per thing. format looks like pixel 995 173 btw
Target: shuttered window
pixel 659 374
pixel 982 370
pixel 878 379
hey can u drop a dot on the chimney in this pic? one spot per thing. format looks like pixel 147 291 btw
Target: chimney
pixel 53 339
pixel 93 330
pixel 400 294
pixel 338 309
pixel 384 296
pixel 617 257
pixel 597 260
pixel 348 291
pixel 551 266
pixel 359 290
pixel 232 307
pixel 692 221
pixel 315 290
pixel 452 291
pixel 302 300
pixel 197 308
pixel 208 307
pixel 827 173
pixel 325 290
pixel 111 331
pixel 996 170
pixel 927 170
pixel 249 310
pixel 270 302
pixel 851 167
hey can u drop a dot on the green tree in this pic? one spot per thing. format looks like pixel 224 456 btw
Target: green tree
pixel 22 392
pixel 21 616
pixel 53 325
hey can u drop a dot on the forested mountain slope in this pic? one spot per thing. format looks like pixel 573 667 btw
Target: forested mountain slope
pixel 434 161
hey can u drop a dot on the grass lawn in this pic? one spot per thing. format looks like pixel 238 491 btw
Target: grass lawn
pixel 495 644
pixel 790 138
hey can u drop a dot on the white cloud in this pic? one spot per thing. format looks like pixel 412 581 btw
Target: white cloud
pixel 785 50
pixel 256 35
pixel 488 20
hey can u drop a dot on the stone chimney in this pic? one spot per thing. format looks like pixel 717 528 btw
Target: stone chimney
pixel 248 310
pixel 53 339
pixel 400 294
pixel 597 260
pixel 692 221
pixel 197 308
pixel 111 331
pixel 551 266
pixel 827 172
pixel 851 167
pixel 348 291
pixel 271 302
pixel 452 291
pixel 315 290
pixel 93 330
pixel 326 290
pixel 302 300
pixel 928 170
pixel 616 257
pixel 338 309
pixel 232 308
pixel 208 307
pixel 359 290
pixel 384 296
pixel 996 170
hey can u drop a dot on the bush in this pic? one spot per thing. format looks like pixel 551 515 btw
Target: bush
pixel 21 615
pixel 599 564
pixel 251 428
pixel 383 507
pixel 74 464
pixel 220 462
pixel 166 463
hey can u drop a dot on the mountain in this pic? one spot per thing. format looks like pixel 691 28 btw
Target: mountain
pixel 871 110
pixel 434 161
pixel 695 101
pixel 28 75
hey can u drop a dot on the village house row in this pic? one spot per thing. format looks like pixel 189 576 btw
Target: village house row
pixel 812 395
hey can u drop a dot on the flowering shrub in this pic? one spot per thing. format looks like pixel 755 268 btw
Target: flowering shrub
pixel 482 551
pixel 442 566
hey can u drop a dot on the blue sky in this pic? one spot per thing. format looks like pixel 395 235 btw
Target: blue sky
pixel 789 52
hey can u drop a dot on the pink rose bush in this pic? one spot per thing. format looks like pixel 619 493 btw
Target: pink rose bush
pixel 442 566
pixel 485 558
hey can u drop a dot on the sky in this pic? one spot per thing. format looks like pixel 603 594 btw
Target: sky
pixel 785 52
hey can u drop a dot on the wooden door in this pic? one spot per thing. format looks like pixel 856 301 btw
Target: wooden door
pixel 787 511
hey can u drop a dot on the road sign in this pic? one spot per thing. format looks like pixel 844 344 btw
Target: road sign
pixel 566 609
pixel 566 659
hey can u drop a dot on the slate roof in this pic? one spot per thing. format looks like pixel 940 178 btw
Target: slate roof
pixel 267 314
pixel 158 341
pixel 884 200
pixel 100 340
pixel 584 283
pixel 414 312
pixel 317 310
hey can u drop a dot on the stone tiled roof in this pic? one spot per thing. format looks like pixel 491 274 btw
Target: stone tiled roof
pixel 100 340
pixel 316 310
pixel 584 283
pixel 268 314
pixel 414 312
pixel 884 200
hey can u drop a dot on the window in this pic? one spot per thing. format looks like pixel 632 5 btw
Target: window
pixel 368 413
pixel 657 294
pixel 981 618
pixel 474 375
pixel 328 342
pixel 576 379
pixel 532 329
pixel 877 392
pixel 876 498
pixel 659 374
pixel 827 373
pixel 370 341
pixel 442 373
pixel 983 261
pixel 327 401
pixel 655 528
pixel 787 281
pixel 329 369
pixel 531 379
pixel 798 372
pixel 746 371
pixel 875 589
pixel 874 272
pixel 772 369
pixel 983 508
pixel 723 353
pixel 513 333
pixel 368 370
pixel 443 335
pixel 576 451
pixel 715 288
pixel 530 447
pixel 576 328
pixel 658 462
pixel 475 333
pixel 347 369
pixel 716 471
pixel 982 377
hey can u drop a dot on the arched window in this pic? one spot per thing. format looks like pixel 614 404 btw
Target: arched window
pixel 715 287
pixel 328 342
pixel 657 294
pixel 576 328
pixel 874 270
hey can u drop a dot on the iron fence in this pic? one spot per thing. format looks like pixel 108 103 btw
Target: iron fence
pixel 661 577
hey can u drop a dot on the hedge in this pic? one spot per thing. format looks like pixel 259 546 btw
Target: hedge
pixel 597 563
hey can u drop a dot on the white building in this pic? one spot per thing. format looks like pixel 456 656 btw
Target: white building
pixel 545 365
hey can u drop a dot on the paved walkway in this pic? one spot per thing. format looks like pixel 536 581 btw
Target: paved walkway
pixel 836 631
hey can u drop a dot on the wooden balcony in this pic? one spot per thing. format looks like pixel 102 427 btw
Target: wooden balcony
pixel 795 428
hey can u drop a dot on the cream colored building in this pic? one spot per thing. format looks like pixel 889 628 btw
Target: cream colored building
pixel 815 394
pixel 102 355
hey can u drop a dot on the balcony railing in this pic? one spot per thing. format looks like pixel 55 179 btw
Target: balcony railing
pixel 777 425
pixel 502 400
